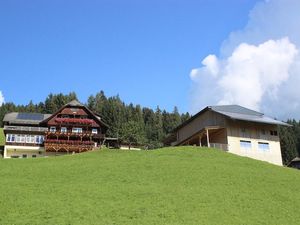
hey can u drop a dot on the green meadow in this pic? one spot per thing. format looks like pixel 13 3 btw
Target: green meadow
pixel 184 185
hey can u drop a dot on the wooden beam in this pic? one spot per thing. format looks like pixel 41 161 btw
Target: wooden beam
pixel 207 138
pixel 200 137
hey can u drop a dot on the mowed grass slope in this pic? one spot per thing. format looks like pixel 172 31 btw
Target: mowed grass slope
pixel 184 185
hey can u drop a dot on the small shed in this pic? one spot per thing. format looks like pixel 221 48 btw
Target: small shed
pixel 295 163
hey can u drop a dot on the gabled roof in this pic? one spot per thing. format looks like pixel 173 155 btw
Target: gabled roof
pixel 76 103
pixel 25 118
pixel 236 112
pixel 235 109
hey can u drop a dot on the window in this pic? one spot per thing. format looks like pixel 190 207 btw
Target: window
pixel 33 156
pixel 263 146
pixel 273 133
pixel 94 131
pixel 76 130
pixel 37 139
pixel 74 110
pixel 18 138
pixel 245 144
pixel 52 129
pixel 13 138
pixel 22 138
pixel 263 132
pixel 32 139
pixel 27 138
pixel 8 138
pixel 63 130
pixel 24 156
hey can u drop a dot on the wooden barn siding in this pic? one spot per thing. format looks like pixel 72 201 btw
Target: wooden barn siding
pixel 208 118
pixel 234 129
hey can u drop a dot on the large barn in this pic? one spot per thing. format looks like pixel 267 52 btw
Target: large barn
pixel 72 129
pixel 234 129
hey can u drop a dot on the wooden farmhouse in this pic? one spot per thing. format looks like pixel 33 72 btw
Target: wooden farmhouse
pixel 72 129
pixel 234 129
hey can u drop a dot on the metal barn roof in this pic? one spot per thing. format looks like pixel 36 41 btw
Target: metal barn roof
pixel 236 112
pixel 241 113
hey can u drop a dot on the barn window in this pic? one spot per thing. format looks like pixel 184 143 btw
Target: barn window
pixel 263 146
pixel 245 144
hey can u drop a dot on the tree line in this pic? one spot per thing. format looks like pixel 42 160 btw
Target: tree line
pixel 290 140
pixel 142 126
pixel 132 124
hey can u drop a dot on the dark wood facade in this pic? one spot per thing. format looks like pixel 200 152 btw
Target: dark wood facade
pixel 73 129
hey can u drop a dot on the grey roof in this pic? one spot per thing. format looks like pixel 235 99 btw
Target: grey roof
pixel 235 109
pixel 25 118
pixel 297 159
pixel 241 113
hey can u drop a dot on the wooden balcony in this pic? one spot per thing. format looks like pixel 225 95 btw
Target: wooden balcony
pixel 88 122
pixel 68 146
pixel 25 128
pixel 72 134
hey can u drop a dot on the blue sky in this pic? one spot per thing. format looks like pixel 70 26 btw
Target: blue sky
pixel 142 50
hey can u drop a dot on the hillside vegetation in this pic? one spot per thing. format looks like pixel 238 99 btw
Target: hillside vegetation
pixel 185 185
pixel 2 137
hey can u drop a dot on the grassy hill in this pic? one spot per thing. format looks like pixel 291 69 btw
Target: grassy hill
pixel 184 185
pixel 2 138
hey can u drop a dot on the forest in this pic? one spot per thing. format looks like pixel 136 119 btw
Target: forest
pixel 141 126
pixel 132 124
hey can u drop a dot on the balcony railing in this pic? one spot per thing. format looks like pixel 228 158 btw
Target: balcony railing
pixel 70 142
pixel 74 121
pixel 85 133
pixel 68 146
pixel 24 128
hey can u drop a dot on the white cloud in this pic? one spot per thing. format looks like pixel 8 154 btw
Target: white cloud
pixel 1 98
pixel 259 67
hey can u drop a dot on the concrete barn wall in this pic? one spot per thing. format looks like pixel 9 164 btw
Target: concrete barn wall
pixel 254 134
